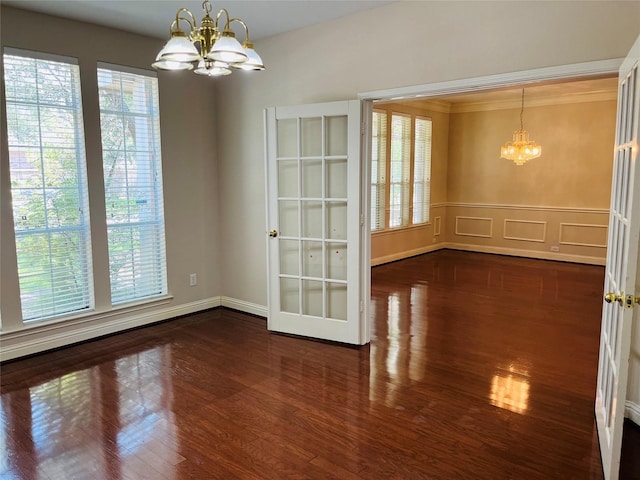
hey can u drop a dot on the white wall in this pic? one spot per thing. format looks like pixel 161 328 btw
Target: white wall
pixel 188 126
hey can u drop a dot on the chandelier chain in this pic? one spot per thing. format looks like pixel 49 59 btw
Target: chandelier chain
pixel 522 112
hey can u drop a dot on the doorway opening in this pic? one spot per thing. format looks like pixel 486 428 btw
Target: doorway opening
pixel 554 207
pixel 494 86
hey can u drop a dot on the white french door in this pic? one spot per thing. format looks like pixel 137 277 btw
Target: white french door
pixel 621 269
pixel 314 221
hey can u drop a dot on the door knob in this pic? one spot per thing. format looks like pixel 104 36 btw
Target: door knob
pixel 613 297
pixel 273 233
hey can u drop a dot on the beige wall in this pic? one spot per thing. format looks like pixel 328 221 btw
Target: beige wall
pixel 573 171
pixel 559 201
pixel 187 120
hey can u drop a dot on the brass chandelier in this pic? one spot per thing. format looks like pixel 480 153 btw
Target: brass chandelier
pixel 521 149
pixel 213 52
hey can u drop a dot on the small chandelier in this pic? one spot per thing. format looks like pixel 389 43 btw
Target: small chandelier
pixel 521 149
pixel 213 52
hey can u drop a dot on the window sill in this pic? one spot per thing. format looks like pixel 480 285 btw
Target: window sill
pixel 50 324
pixel 392 231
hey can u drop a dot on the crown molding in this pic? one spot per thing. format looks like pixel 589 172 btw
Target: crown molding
pixel 578 70
pixel 558 99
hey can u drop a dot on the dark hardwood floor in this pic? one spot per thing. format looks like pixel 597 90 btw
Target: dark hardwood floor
pixel 480 367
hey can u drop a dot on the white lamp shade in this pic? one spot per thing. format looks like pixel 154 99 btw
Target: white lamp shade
pixel 212 69
pixel 171 65
pixel 179 49
pixel 227 49
pixel 254 61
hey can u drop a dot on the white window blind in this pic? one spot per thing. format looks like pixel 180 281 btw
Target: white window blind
pixel 400 171
pixel 378 170
pixel 48 184
pixel 421 170
pixel 129 120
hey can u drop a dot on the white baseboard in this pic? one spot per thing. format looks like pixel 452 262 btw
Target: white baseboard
pixel 246 307
pixel 407 254
pixel 632 412
pixel 513 252
pixel 35 339
pixel 562 257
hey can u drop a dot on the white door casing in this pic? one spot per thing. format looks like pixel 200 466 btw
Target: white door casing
pixel 314 221
pixel 620 270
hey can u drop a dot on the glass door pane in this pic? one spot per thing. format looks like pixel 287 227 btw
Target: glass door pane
pixel 313 224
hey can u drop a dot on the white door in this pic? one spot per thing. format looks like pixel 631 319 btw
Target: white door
pixel 314 221
pixel 620 270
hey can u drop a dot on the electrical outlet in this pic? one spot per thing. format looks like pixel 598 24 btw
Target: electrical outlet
pixel 193 280
pixel 555 248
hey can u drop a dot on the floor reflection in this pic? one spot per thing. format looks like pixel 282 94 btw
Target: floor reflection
pixel 133 414
pixel 398 354
pixel 485 319
pixel 511 390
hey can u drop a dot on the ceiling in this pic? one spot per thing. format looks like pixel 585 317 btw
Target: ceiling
pixel 547 93
pixel 271 17
pixel 153 18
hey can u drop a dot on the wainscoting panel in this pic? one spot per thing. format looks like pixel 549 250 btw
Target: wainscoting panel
pixel 555 233
pixel 474 226
pixel 586 235
pixel 525 230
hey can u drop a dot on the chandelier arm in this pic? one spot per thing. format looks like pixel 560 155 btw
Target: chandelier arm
pixel 193 25
pixel 219 14
pixel 246 28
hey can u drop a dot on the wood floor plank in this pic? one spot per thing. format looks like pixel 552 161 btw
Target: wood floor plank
pixel 480 367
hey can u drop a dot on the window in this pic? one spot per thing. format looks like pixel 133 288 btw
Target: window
pixel 404 200
pixel 48 183
pixel 378 170
pixel 130 126
pixel 421 170
pixel 400 168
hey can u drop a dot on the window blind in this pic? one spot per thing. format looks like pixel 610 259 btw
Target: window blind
pixel 378 170
pixel 421 170
pixel 47 167
pixel 132 165
pixel 400 169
